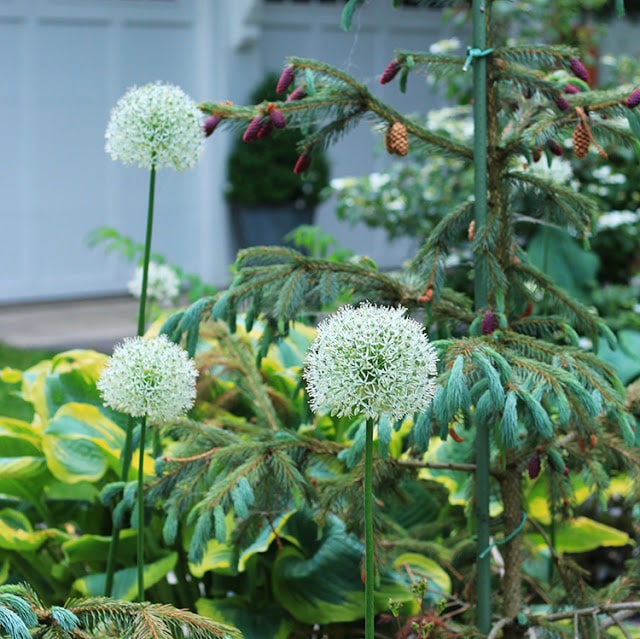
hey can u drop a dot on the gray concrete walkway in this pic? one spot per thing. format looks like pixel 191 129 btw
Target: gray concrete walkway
pixel 90 323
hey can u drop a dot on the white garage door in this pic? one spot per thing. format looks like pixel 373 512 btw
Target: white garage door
pixel 63 64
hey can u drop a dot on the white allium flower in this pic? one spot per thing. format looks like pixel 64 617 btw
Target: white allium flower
pixel 370 361
pixel 149 377
pixel 163 283
pixel 157 124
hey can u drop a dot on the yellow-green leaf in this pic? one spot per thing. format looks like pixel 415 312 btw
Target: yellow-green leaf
pixel 582 534
pixel 16 432
pixel 125 582
pixel 16 532
pixel 423 567
pixel 80 443
pixel 21 467
pixel 272 622
pixel 217 558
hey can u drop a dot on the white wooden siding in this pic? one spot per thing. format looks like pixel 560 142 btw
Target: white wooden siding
pixel 64 64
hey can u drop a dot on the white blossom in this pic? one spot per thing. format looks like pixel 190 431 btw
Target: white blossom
pixel 370 361
pixel 613 219
pixel 558 171
pixel 378 180
pixel 151 378
pixel 339 184
pixel 163 283
pixel 155 125
pixel 445 46
pixel 605 175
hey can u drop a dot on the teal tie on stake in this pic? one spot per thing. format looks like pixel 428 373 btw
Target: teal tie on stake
pixel 472 53
pixel 507 539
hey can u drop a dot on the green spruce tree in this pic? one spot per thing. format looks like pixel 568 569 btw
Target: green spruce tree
pixel 513 377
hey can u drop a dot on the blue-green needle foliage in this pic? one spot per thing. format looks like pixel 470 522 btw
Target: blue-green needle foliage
pixel 22 613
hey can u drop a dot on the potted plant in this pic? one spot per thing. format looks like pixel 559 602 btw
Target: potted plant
pixel 267 199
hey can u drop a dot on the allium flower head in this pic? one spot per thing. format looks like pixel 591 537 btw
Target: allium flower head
pixel 157 124
pixel 370 361
pixel 149 377
pixel 163 283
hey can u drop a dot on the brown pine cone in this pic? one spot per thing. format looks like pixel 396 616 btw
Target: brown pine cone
pixel 581 140
pixel 396 139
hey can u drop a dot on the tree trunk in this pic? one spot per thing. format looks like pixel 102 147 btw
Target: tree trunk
pixel 511 493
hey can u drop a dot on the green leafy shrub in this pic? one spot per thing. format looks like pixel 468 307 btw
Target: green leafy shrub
pixel 261 172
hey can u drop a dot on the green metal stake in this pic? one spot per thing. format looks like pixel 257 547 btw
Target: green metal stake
pixel 478 55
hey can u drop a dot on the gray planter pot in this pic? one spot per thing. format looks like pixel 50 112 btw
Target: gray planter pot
pixel 266 225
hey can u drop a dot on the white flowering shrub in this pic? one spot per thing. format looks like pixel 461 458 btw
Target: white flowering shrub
pixel 410 197
pixel 613 184
pixel 155 125
pixel 370 361
pixel 151 378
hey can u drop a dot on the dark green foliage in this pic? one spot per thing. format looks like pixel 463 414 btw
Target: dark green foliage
pixel 261 172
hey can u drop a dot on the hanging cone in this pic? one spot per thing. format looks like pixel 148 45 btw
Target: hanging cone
pixel 581 140
pixel 396 139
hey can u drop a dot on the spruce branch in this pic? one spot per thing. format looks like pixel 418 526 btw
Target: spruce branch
pixel 448 229
pixel 581 317
pixel 416 463
pixel 146 620
pixel 540 56
pixel 287 284
pixel 256 475
pixel 528 81
pixel 239 357
pixel 607 118
pixel 543 378
pixel 549 327
pixel 452 306
pixel 436 63
pixel 338 99
pixel 564 204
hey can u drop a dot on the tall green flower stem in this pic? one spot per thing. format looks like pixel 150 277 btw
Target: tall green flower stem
pixel 368 532
pixel 127 452
pixel 480 16
pixel 140 503
pixel 370 361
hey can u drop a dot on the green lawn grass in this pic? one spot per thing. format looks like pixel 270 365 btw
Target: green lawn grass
pixel 21 358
